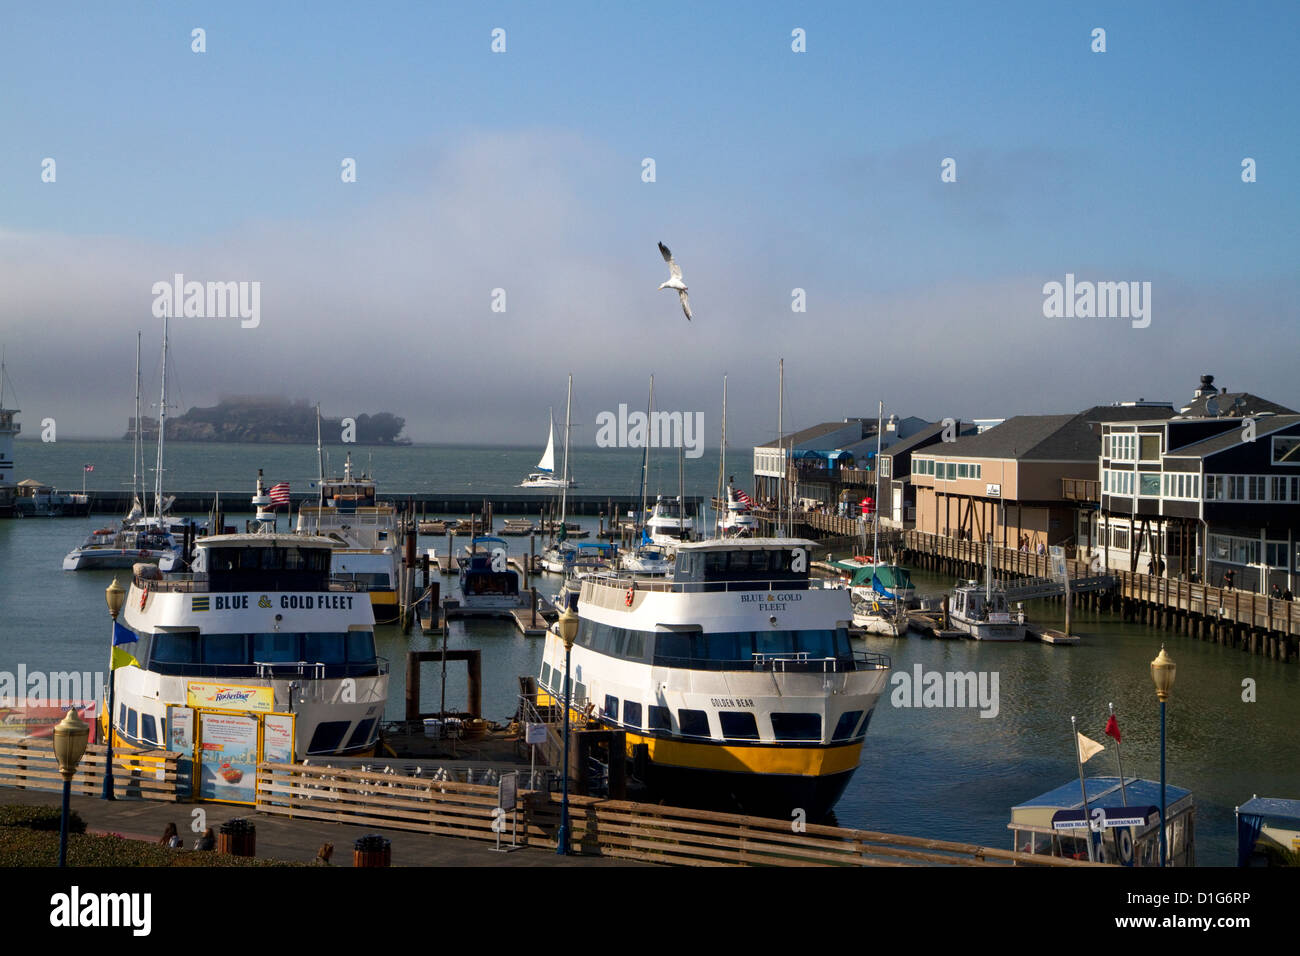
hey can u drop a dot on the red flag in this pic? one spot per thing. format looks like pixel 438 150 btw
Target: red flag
pixel 1112 728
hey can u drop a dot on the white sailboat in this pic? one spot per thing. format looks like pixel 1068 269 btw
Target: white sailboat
pixel 545 477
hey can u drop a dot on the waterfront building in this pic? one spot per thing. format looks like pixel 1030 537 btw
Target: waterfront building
pixel 828 463
pixel 1008 481
pixel 1211 494
pixel 897 504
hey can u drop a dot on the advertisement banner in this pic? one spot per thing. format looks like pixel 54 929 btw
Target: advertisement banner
pixel 277 738
pixel 36 718
pixel 230 696
pixel 180 739
pixel 228 757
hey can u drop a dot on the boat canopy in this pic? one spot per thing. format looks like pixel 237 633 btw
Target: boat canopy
pixel 888 577
pixel 1102 792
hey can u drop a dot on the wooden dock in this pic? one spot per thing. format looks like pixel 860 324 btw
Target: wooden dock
pixel 1049 635
pixel 930 623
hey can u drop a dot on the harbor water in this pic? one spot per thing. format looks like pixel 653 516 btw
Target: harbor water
pixel 932 771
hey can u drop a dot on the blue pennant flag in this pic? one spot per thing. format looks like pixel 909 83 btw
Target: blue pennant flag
pixel 645 538
pixel 123 634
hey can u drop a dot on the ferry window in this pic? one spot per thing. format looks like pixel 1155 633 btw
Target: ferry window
pixel 148 728
pixel 546 675
pixel 580 692
pixel 611 707
pixel 361 735
pixel 659 718
pixel 635 645
pixel 130 723
pixel 325 649
pixel 121 716
pixel 847 723
pixel 670 644
pixel 328 736
pixel 738 725
pixel 175 648
pixel 631 714
pixel 275 648
pixel 361 647
pixel 224 649
pixel 774 642
pixel 734 646
pixel 797 726
pixel 694 723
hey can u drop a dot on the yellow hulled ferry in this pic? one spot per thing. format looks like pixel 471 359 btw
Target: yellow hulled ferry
pixel 734 682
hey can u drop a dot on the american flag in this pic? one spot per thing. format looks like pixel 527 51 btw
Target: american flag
pixel 87 467
pixel 744 499
pixel 279 493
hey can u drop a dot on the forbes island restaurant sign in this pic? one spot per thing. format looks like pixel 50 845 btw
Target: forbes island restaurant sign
pixel 230 697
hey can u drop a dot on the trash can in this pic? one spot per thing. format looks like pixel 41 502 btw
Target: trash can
pixel 237 837
pixel 372 850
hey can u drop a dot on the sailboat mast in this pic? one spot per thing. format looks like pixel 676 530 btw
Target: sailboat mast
pixel 162 430
pixel 780 442
pixel 875 539
pixel 723 498
pixel 645 458
pixel 320 469
pixel 564 486
pixel 137 460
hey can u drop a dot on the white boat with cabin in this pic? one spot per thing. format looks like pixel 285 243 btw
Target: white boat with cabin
pixel 735 682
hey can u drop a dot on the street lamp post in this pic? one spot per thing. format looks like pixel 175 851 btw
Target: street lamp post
pixel 115 597
pixel 70 736
pixel 568 628
pixel 1162 673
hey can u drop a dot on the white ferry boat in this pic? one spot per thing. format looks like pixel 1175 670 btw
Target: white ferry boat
pixel 735 681
pixel 258 611
pixel 366 528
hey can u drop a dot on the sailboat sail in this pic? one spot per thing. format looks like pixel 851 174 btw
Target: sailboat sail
pixel 547 464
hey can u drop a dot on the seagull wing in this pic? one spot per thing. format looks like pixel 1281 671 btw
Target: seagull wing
pixel 686 303
pixel 673 268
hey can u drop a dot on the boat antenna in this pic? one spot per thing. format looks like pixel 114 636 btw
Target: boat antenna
pixel 320 466
pixel 780 443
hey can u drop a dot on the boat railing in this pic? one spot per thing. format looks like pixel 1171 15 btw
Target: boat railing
pixel 197 582
pixel 277 670
pixel 622 580
pixel 795 662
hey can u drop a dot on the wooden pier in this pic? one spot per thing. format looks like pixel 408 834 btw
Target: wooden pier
pixel 1251 622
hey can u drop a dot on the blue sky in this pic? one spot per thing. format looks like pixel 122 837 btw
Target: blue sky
pixel 775 170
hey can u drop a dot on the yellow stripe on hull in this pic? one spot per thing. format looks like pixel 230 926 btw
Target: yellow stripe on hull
pixel 816 760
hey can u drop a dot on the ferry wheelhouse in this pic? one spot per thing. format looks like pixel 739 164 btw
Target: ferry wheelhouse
pixel 735 681
pixel 258 611
pixel 351 514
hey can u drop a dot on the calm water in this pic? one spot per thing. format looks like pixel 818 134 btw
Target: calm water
pixel 203 467
pixel 930 772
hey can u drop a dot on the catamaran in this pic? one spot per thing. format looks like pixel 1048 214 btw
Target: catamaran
pixel 734 682
pixel 139 537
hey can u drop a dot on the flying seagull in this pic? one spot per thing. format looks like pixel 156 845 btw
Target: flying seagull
pixel 675 280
